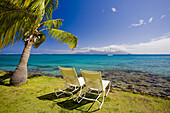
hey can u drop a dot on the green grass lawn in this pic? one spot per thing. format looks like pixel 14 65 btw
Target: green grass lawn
pixel 37 96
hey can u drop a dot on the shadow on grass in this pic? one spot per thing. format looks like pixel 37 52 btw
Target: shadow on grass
pixel 68 103
pixel 3 78
pixel 52 96
pixel 71 105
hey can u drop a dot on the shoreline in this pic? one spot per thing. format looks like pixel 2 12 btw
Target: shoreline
pixel 131 80
pixel 139 81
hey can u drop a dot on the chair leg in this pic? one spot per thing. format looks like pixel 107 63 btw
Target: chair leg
pixel 84 94
pixel 74 99
pixel 78 94
pixel 57 94
pixel 102 101
pixel 60 90
pixel 63 92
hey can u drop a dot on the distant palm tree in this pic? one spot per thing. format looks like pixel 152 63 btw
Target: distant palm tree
pixel 25 20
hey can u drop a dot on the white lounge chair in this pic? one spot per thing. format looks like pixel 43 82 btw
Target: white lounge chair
pixel 72 82
pixel 94 82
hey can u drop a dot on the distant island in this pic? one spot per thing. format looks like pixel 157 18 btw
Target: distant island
pixel 103 52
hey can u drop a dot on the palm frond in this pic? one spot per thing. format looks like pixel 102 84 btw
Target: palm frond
pixel 64 37
pixel 20 19
pixel 50 6
pixel 39 40
pixel 13 31
pixel 37 7
pixel 14 23
pixel 11 3
pixel 51 24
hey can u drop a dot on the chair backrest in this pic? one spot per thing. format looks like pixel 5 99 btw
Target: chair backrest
pixel 70 76
pixel 92 79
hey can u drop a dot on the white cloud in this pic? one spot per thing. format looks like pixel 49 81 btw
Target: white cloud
pixel 114 9
pixel 141 22
pixel 159 45
pixel 163 16
pixel 150 19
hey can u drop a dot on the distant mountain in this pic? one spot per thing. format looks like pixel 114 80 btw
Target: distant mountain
pixel 103 52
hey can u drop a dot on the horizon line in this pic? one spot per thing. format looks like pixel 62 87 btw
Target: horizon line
pixel 95 54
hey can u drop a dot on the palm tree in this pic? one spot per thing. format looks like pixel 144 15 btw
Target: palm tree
pixel 25 20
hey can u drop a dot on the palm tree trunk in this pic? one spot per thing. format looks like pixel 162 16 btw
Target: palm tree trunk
pixel 20 74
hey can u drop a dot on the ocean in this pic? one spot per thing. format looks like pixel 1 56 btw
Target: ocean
pixel 48 63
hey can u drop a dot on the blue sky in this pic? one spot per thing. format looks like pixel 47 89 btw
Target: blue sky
pixel 134 26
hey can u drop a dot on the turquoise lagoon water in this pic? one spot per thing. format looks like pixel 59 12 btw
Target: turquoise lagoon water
pixel 48 63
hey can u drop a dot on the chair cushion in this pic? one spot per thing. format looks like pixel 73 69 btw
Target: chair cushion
pixel 105 84
pixel 81 81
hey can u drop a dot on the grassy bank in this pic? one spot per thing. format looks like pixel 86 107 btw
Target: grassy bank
pixel 37 96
